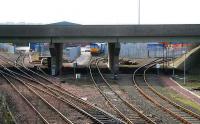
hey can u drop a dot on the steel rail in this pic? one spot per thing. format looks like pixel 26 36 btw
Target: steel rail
pixel 153 100
pixel 126 119
pixel 167 99
pixel 94 108
pixel 75 97
pixel 23 97
pixel 90 105
pixel 61 98
pixel 54 90
pixel 65 92
pixel 46 102
pixel 125 101
pixel 57 96
pixel 64 100
pixel 17 59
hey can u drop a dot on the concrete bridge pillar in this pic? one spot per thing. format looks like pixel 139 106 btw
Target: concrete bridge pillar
pixel 56 51
pixel 113 57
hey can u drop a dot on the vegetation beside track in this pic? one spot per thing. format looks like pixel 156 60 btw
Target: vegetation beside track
pixel 183 100
pixel 192 85
pixel 175 96
pixel 193 81
pixel 5 114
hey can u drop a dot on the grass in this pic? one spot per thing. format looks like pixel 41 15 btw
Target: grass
pixel 174 96
pixel 183 100
pixel 191 85
pixel 6 114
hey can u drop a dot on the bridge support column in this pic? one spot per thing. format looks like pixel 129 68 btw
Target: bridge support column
pixel 113 57
pixel 56 51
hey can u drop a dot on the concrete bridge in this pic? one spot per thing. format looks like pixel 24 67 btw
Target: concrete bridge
pixel 90 33
pixel 113 34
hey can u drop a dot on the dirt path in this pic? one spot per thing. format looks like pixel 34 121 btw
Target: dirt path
pixel 179 89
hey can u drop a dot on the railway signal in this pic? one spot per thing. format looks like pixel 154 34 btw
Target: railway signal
pixel 74 67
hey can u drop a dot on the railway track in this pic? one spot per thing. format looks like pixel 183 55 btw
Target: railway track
pixel 50 87
pixel 69 109
pixel 20 58
pixel 176 111
pixel 125 110
pixel 46 111
pixel 176 108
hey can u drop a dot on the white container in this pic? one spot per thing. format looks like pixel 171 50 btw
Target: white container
pixel 11 49
pixel 72 53
pixel 7 47
pixel 23 48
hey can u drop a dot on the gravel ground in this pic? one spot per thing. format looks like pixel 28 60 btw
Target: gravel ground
pixel 125 84
pixel 21 112
pixel 85 89
pixel 25 115
pixel 8 55
pixel 124 87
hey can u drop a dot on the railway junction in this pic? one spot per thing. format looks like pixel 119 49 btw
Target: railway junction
pixel 107 92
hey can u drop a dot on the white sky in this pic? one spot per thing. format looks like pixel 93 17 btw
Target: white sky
pixel 100 11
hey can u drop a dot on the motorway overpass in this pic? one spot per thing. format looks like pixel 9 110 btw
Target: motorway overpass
pixel 113 34
pixel 91 33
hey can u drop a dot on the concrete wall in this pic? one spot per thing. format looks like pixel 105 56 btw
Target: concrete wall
pixel 192 61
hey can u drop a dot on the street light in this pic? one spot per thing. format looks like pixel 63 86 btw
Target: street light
pixel 173 62
pixel 139 12
pixel 184 52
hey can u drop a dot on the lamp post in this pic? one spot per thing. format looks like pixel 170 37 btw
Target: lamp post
pixel 184 66
pixel 173 62
pixel 139 12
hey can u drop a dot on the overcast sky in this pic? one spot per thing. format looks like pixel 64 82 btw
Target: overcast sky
pixel 100 11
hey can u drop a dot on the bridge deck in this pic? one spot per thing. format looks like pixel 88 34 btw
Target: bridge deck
pixel 67 33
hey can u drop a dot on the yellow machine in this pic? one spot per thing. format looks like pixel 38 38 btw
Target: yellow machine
pixel 94 48
pixel 97 48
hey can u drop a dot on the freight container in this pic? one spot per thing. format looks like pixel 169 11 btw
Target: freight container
pixel 44 50
pixel 41 48
pixel 32 46
pixel 71 53
pixel 11 49
pixel 7 47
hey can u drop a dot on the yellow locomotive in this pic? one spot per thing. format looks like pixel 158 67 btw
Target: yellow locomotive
pixel 97 48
